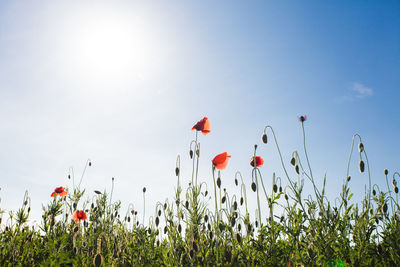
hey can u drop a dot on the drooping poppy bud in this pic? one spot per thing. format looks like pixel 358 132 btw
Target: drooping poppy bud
pixel 360 147
pixel 293 161
pixel 361 165
pixel 253 186
pixel 386 172
pixel 265 138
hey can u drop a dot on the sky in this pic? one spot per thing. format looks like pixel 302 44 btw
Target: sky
pixel 122 83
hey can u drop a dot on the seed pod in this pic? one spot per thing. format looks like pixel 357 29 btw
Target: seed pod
pixel 241 201
pixel 157 221
pixel 253 186
pixel 179 228
pixel 396 190
pixel 348 178
pixel 297 169
pixel 219 182
pixel 223 199
pixel 360 147
pixel 191 154
pixel 275 187
pixel 293 161
pixel 265 138
pixel 373 192
pixel 236 182
pixel 361 165
pixel 176 171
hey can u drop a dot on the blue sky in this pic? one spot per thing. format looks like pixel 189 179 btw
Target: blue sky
pixel 123 82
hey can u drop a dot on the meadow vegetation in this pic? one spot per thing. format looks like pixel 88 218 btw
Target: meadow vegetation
pixel 204 224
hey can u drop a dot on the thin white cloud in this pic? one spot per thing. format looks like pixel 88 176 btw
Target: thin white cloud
pixel 361 90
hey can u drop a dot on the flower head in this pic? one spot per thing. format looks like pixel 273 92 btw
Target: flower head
pixel 221 161
pixel 259 161
pixel 203 125
pixel 59 191
pixel 79 215
pixel 302 118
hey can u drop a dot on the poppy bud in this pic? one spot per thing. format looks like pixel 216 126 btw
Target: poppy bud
pixel 206 218
pixel 235 205
pixel 206 193
pixel 29 210
pixel 221 227
pixel 348 178
pixel 223 199
pixel 361 165
pixel 293 161
pixel 187 204
pixel 165 229
pixel 233 222
pixel 286 197
pixel 384 208
pixel 137 223
pixel 26 202
pixel 191 154
pixel 302 118
pixel 275 188
pixel 165 206
pixel 69 176
pixel 280 189
pixel 157 221
pixel 129 219
pixel 236 182
pixel 90 163
pixel 209 226
pixel 253 186
pixel 97 192
pixel 394 183
pixel 256 223
pixel 373 192
pixel 144 189
pixel 179 228
pixel 297 169
pixel 360 147
pixel 219 182
pixel 282 218
pixel 74 205
pixel 265 138
pixel 386 172
pixel 76 228
pixel 198 152
pixel 176 171
pixel 159 212
pixel 241 201
pixel 239 227
pixel 211 235
pixel 396 190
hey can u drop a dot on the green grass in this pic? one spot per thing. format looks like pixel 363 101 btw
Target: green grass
pixel 186 231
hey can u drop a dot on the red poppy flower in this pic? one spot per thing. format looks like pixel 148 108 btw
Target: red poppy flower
pixel 59 191
pixel 303 118
pixel 203 125
pixel 259 161
pixel 79 215
pixel 221 161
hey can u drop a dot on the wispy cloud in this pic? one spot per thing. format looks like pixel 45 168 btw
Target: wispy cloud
pixel 361 90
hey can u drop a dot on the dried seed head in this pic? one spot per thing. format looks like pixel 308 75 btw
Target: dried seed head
pixel 144 189
pixel 297 169
pixel 176 171
pixel 360 147
pixel 265 138
pixel 361 165
pixel 293 161
pixel 386 172
pixel 275 188
pixel 219 182
pixel 348 178
pixel 29 210
pixel 191 154
pixel 253 186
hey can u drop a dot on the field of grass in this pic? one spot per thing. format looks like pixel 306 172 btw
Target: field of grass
pixel 85 228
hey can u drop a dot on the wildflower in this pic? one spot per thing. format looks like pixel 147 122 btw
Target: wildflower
pixel 79 215
pixel 221 161
pixel 302 118
pixel 203 125
pixel 59 191
pixel 259 161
